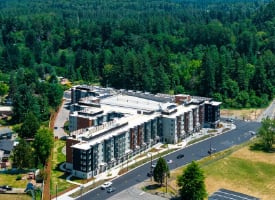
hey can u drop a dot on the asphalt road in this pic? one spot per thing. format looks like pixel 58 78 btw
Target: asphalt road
pixel 268 112
pixel 193 152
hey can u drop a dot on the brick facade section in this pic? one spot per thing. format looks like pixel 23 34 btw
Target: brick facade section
pixel 83 122
pixel 69 150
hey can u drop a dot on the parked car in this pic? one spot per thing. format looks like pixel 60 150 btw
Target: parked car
pixel 211 150
pixel 106 185
pixel 2 190
pixel 252 132
pixel 154 165
pixel 180 156
pixel 149 174
pixel 111 189
pixel 230 120
pixel 6 187
pixel 169 161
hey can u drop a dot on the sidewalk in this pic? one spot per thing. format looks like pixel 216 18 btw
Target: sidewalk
pixel 113 173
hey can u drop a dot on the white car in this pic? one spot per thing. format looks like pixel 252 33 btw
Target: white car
pixel 169 161
pixel 252 132
pixel 154 165
pixel 106 185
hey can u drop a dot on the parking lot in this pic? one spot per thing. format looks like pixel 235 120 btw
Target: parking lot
pixel 223 194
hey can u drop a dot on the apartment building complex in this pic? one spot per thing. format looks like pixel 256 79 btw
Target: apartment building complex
pixel 109 126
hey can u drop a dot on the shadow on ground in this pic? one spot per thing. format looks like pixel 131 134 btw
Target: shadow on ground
pixel 260 147
pixel 152 186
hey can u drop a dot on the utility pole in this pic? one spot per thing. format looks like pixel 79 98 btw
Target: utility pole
pixel 210 149
pixel 127 162
pixel 151 167
pixel 166 180
pixel 56 191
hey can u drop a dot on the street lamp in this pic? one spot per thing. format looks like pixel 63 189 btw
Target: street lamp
pixel 166 174
pixel 127 160
pixel 151 168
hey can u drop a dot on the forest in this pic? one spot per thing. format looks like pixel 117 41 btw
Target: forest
pixel 224 49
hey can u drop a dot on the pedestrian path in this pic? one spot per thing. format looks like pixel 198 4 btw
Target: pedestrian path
pixel 113 173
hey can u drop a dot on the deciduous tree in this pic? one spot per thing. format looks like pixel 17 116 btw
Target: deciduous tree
pixel 22 155
pixel 267 133
pixel 43 143
pixel 4 88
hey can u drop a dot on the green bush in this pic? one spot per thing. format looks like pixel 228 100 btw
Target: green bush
pixel 18 178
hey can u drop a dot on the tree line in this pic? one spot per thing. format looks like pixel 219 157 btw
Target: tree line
pixel 33 100
pixel 219 49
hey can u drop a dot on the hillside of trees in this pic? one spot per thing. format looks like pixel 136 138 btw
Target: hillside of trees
pixel 223 49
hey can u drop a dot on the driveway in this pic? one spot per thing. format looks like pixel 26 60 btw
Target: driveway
pixel 62 117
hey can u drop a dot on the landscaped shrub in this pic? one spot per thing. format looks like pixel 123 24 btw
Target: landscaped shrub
pixel 18 178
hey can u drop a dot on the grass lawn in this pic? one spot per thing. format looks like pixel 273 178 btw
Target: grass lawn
pixel 238 169
pixel 10 179
pixel 246 171
pixel 15 197
pixel 58 177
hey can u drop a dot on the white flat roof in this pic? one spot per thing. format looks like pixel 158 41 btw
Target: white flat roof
pixel 133 102
pixel 216 103
pixel 132 120
pixel 129 106
pixel 181 109
pixel 82 145
pixel 5 108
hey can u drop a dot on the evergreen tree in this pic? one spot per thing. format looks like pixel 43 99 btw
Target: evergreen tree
pixel 161 171
pixel 209 65
pixel 191 183
pixel 24 102
pixel 29 126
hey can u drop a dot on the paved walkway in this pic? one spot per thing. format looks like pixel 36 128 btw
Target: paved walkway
pixel 135 193
pixel 115 170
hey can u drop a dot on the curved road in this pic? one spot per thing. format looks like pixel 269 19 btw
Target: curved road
pixel 268 112
pixel 193 152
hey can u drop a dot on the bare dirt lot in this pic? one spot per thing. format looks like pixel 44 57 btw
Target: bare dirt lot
pixel 244 114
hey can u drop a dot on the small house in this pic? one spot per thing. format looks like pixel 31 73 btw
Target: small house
pixel 6 146
pixel 5 133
